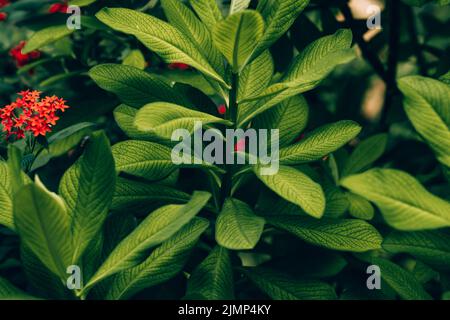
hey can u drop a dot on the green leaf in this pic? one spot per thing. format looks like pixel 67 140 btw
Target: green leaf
pixel 337 234
pixel 279 16
pixel 238 5
pixel 164 262
pixel 46 36
pixel 237 37
pixel 135 59
pixel 133 86
pixel 124 116
pixel 81 3
pixel 255 77
pixel 6 200
pixel 359 207
pixel 208 12
pixel 427 104
pixel 431 247
pixel 237 227
pixel 213 278
pixel 320 142
pixel 290 117
pixel 182 18
pixel 143 159
pixel 161 119
pixel 280 286
pixel 130 194
pixel 403 201
pixel 296 187
pixel 43 224
pixel 366 153
pixel 62 142
pixel 155 229
pixel 88 188
pixel 308 69
pixel 402 281
pixel 10 292
pixel 159 36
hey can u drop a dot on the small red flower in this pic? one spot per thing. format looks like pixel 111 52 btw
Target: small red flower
pixel 58 7
pixel 23 59
pixel 178 66
pixel 240 145
pixel 30 113
pixel 222 109
pixel 3 16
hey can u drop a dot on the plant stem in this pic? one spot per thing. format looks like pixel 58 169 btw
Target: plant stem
pixel 412 30
pixel 231 115
pixel 391 80
pixel 369 54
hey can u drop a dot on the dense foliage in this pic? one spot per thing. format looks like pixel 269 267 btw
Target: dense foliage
pixel 88 181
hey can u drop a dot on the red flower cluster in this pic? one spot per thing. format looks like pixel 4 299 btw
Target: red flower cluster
pixel 178 66
pixel 58 7
pixel 30 113
pixel 3 15
pixel 23 59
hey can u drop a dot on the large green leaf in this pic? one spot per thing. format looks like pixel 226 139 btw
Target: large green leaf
pixel 296 187
pixel 143 159
pixel 149 160
pixel 130 194
pixel 237 37
pixel 308 69
pixel 124 116
pixel 238 5
pixel 367 152
pixel 427 104
pixel 213 278
pixel 6 200
pixel 9 292
pixel 256 76
pixel 280 286
pixel 403 201
pixel 46 36
pixel 43 223
pixel 290 117
pixel 161 119
pixel 279 16
pixel 337 234
pixel 237 227
pixel 402 281
pixel 159 36
pixel 155 229
pixel 88 188
pixel 133 86
pixel 431 247
pixel 208 11
pixel 320 142
pixel 181 17
pixel 164 262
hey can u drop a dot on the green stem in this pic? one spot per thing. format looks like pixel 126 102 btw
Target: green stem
pixel 231 115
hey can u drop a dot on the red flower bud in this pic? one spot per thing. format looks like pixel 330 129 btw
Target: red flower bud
pixel 178 66
pixel 4 3
pixel 58 7
pixel 23 59
pixel 240 145
pixel 3 16
pixel 222 109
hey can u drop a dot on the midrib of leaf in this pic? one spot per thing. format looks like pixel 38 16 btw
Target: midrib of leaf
pixel 53 251
pixel 242 232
